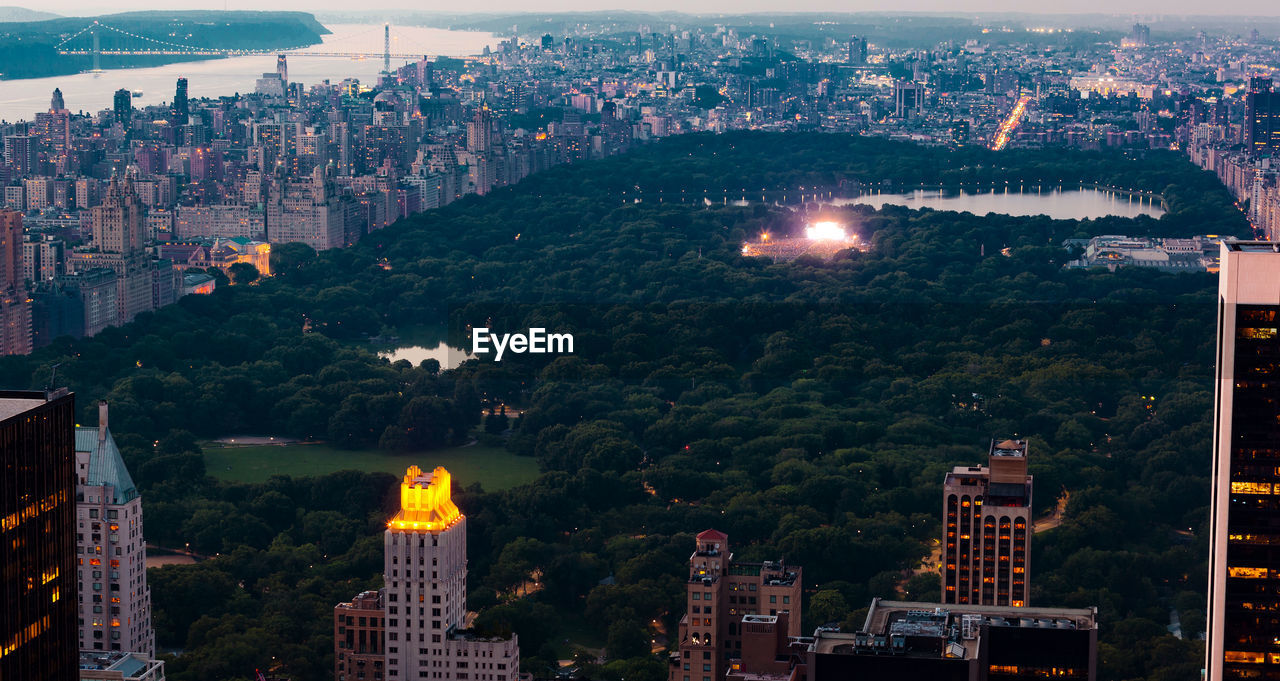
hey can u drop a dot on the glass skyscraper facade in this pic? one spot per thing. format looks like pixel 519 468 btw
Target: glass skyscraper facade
pixel 37 523
pixel 1244 564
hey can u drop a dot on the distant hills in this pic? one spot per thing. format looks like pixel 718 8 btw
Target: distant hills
pixel 10 13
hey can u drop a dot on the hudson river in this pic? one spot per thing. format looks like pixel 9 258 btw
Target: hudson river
pixel 93 92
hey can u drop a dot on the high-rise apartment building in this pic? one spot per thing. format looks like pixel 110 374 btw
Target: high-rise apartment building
pixel 423 604
pixel 1262 117
pixel 54 126
pixel 15 303
pixel 359 638
pixel 987 521
pixel 115 601
pixel 480 130
pixel 43 257
pixel 117 221
pixel 37 520
pixel 1244 567
pixel 857 50
pixel 306 211
pixel 181 106
pixel 725 600
pixel 119 236
pixel 22 154
pixel 122 105
pixel 908 98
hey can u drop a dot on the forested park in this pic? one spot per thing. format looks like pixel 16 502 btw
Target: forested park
pixel 809 409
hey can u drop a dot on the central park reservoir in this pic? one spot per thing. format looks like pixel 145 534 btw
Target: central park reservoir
pixel 1057 203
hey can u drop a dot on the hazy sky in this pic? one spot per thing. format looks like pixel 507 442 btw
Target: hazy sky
pixel 1145 7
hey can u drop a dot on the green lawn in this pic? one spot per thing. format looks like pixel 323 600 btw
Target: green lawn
pixel 493 467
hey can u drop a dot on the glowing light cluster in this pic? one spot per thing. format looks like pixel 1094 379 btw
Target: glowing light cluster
pixel 825 231
pixel 1010 124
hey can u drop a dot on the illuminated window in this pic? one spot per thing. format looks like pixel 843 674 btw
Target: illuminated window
pixel 1247 572
pixel 1256 333
pixel 1251 488
pixel 1245 656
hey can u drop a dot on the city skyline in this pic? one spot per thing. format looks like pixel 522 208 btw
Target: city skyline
pixel 831 288
pixel 1126 8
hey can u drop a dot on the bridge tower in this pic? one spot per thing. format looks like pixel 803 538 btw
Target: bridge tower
pixel 97 49
pixel 386 48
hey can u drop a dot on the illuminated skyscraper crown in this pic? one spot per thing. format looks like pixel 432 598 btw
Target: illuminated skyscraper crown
pixel 425 502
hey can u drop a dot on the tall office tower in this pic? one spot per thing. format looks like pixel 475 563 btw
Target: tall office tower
pixel 56 103
pixel 124 108
pixel 987 517
pixel 1140 36
pixel 37 521
pixel 425 570
pixel 908 98
pixel 181 107
pixel 115 601
pixel 1262 117
pixel 15 303
pixel 725 601
pixel 857 50
pixel 1244 567
pixel 282 68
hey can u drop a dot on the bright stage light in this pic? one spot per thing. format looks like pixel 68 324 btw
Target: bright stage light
pixel 825 231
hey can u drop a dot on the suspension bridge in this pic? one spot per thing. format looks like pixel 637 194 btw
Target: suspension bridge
pixel 88 42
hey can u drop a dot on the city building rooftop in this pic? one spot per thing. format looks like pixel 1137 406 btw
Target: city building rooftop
pixel 1009 448
pixel 1251 246
pixel 15 402
pixel 103 665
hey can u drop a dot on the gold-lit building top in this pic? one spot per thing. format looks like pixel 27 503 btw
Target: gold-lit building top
pixel 425 503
